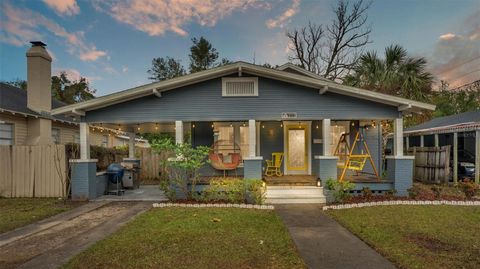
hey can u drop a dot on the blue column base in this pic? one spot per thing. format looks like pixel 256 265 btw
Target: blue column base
pixel 252 167
pixel 400 171
pixel 327 167
pixel 84 179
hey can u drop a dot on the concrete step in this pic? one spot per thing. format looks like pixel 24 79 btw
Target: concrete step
pixel 297 200
pixel 294 194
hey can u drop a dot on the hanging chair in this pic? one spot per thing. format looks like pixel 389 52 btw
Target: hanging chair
pixel 225 156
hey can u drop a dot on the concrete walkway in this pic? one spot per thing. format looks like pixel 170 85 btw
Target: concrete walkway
pixel 151 193
pixel 323 243
pixel 52 242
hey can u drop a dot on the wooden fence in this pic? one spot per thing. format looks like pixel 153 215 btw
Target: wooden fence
pixel 432 164
pixel 150 163
pixel 32 171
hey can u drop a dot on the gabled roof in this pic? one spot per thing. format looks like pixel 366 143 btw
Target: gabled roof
pixel 289 67
pixel 460 121
pixel 323 85
pixel 14 100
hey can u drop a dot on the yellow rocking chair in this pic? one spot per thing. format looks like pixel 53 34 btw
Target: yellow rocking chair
pixel 274 165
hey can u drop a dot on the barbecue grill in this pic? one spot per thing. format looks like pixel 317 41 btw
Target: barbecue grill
pixel 115 174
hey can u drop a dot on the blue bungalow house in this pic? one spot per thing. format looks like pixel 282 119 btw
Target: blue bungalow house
pixel 255 111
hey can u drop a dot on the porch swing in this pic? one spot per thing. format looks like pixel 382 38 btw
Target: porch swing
pixel 222 162
pixel 348 160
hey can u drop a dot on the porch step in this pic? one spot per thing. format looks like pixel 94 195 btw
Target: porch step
pixel 295 195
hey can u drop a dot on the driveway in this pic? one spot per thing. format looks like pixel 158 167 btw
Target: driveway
pixel 323 243
pixel 51 242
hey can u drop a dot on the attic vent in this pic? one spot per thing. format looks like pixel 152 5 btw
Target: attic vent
pixel 244 86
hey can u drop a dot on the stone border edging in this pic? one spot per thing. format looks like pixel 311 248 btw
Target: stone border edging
pixel 370 204
pixel 262 207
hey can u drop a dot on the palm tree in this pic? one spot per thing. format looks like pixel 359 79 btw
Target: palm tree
pixel 396 74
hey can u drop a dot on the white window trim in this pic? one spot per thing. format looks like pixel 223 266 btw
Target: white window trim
pixel 59 135
pixel 13 130
pixel 240 79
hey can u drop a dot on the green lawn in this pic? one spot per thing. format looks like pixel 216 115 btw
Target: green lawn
pixel 195 238
pixel 18 212
pixel 418 236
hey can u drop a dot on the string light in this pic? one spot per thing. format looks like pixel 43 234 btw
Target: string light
pixel 193 125
pixel 156 126
pixel 317 126
pixel 138 127
pixel 281 124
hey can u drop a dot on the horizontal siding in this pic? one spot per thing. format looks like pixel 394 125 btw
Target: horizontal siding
pixel 204 102
pixel 67 132
pixel 20 127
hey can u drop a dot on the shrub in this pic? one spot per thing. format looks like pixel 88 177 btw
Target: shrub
pixel 229 190
pixel 469 188
pixel 437 191
pixel 341 189
pixel 367 193
pixel 255 190
pixel 183 168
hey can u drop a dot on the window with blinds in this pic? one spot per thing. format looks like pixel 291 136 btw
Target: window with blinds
pixel 238 87
pixel 6 134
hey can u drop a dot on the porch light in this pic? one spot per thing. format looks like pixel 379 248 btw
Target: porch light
pixel 319 183
pixel 317 126
pixel 263 126
pixel 281 124
pixel 231 124
pixel 193 125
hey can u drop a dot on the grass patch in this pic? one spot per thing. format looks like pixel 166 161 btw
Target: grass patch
pixel 18 212
pixel 195 238
pixel 418 236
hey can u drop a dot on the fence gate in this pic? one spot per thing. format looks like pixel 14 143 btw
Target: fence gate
pixel 432 164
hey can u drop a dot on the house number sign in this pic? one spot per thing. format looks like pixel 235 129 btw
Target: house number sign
pixel 289 115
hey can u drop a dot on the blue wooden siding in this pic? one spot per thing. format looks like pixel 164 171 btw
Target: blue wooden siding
pixel 204 102
pixel 271 139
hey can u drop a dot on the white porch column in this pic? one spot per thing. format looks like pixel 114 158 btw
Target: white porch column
pixel 422 142
pixel 252 138
pixel 436 140
pixel 398 137
pixel 84 141
pixel 455 157
pixel 326 136
pixel 179 132
pixel 131 145
pixel 477 156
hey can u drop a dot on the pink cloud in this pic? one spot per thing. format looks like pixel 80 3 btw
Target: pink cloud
pixel 281 20
pixel 21 25
pixel 74 74
pixel 156 17
pixel 63 7
pixel 456 56
pixel 447 36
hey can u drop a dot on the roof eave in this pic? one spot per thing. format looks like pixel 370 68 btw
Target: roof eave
pixel 145 90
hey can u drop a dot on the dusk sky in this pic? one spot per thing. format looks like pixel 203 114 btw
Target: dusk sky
pixel 112 43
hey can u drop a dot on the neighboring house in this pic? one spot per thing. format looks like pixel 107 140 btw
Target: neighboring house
pixel 461 132
pixel 25 115
pixel 246 109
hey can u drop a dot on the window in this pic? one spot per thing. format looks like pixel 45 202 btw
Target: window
pixel 76 138
pixel 6 134
pixel 336 131
pixel 238 87
pixel 105 141
pixel 232 138
pixel 56 135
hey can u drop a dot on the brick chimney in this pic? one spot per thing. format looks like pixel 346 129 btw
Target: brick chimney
pixel 39 78
pixel 39 94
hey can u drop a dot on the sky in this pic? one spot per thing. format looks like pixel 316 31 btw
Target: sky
pixel 112 42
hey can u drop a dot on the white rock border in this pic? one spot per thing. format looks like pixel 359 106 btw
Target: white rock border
pixel 370 204
pixel 249 206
